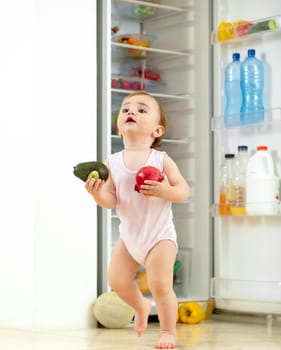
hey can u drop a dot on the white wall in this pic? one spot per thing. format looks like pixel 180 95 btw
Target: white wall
pixel 48 235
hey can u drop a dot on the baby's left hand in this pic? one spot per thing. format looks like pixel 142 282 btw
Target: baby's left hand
pixel 155 188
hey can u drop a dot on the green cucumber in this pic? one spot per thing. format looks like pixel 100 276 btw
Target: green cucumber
pixel 261 26
pixel 86 170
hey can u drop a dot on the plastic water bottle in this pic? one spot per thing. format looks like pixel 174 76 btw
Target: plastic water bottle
pixel 262 185
pixel 243 156
pixel 232 91
pixel 252 83
pixel 238 204
pixel 226 193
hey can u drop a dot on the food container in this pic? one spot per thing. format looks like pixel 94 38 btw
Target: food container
pixel 137 11
pixel 127 83
pixel 135 75
pixel 148 73
pixel 233 30
pixel 141 40
pixel 134 83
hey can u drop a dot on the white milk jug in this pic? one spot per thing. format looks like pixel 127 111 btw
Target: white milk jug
pixel 262 185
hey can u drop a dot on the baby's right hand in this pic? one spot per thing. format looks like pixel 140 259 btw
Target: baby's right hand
pixel 93 186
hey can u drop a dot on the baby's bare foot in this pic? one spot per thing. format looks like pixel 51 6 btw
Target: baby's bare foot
pixel 141 317
pixel 167 340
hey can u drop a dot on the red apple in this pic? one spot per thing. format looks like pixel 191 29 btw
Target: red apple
pixel 126 85
pixel 147 173
pixel 115 83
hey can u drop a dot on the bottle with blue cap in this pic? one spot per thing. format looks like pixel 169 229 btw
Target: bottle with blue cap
pixel 252 84
pixel 232 92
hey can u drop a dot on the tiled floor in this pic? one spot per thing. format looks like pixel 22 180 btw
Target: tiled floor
pixel 230 334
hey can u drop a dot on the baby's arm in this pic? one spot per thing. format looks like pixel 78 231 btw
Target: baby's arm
pixel 102 191
pixel 178 191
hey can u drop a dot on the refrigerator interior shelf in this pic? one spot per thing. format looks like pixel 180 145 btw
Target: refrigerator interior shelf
pixel 166 140
pixel 145 10
pixel 178 141
pixel 271 115
pixel 241 30
pixel 215 211
pixel 150 50
pixel 162 97
pixel 262 291
pixel 178 63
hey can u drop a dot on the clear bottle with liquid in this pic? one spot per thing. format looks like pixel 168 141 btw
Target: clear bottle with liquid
pixel 239 164
pixel 226 188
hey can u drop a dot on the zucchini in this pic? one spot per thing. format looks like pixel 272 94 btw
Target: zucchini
pixel 261 26
pixel 86 170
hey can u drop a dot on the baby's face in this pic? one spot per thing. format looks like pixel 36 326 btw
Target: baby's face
pixel 139 113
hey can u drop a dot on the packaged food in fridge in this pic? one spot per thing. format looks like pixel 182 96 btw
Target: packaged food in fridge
pixel 141 40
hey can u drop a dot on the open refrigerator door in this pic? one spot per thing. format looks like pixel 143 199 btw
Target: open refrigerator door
pixel 247 247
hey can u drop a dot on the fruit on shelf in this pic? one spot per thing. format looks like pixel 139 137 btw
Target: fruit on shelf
pixel 115 29
pixel 115 83
pixel 138 11
pixel 135 40
pixel 230 30
pixel 147 73
pixel 227 30
pixel 142 40
pixel 141 279
pixel 127 84
pixel 243 29
pixel 261 26
pixel 144 11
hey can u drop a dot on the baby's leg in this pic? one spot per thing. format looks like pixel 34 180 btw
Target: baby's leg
pixel 121 278
pixel 159 267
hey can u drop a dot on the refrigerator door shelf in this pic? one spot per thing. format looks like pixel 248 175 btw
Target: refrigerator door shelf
pixel 246 295
pixel 271 115
pixel 229 32
pixel 274 210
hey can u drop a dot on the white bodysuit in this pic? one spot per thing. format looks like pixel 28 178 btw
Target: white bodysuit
pixel 144 220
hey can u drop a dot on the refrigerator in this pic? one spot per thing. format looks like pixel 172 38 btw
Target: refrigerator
pixel 171 49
